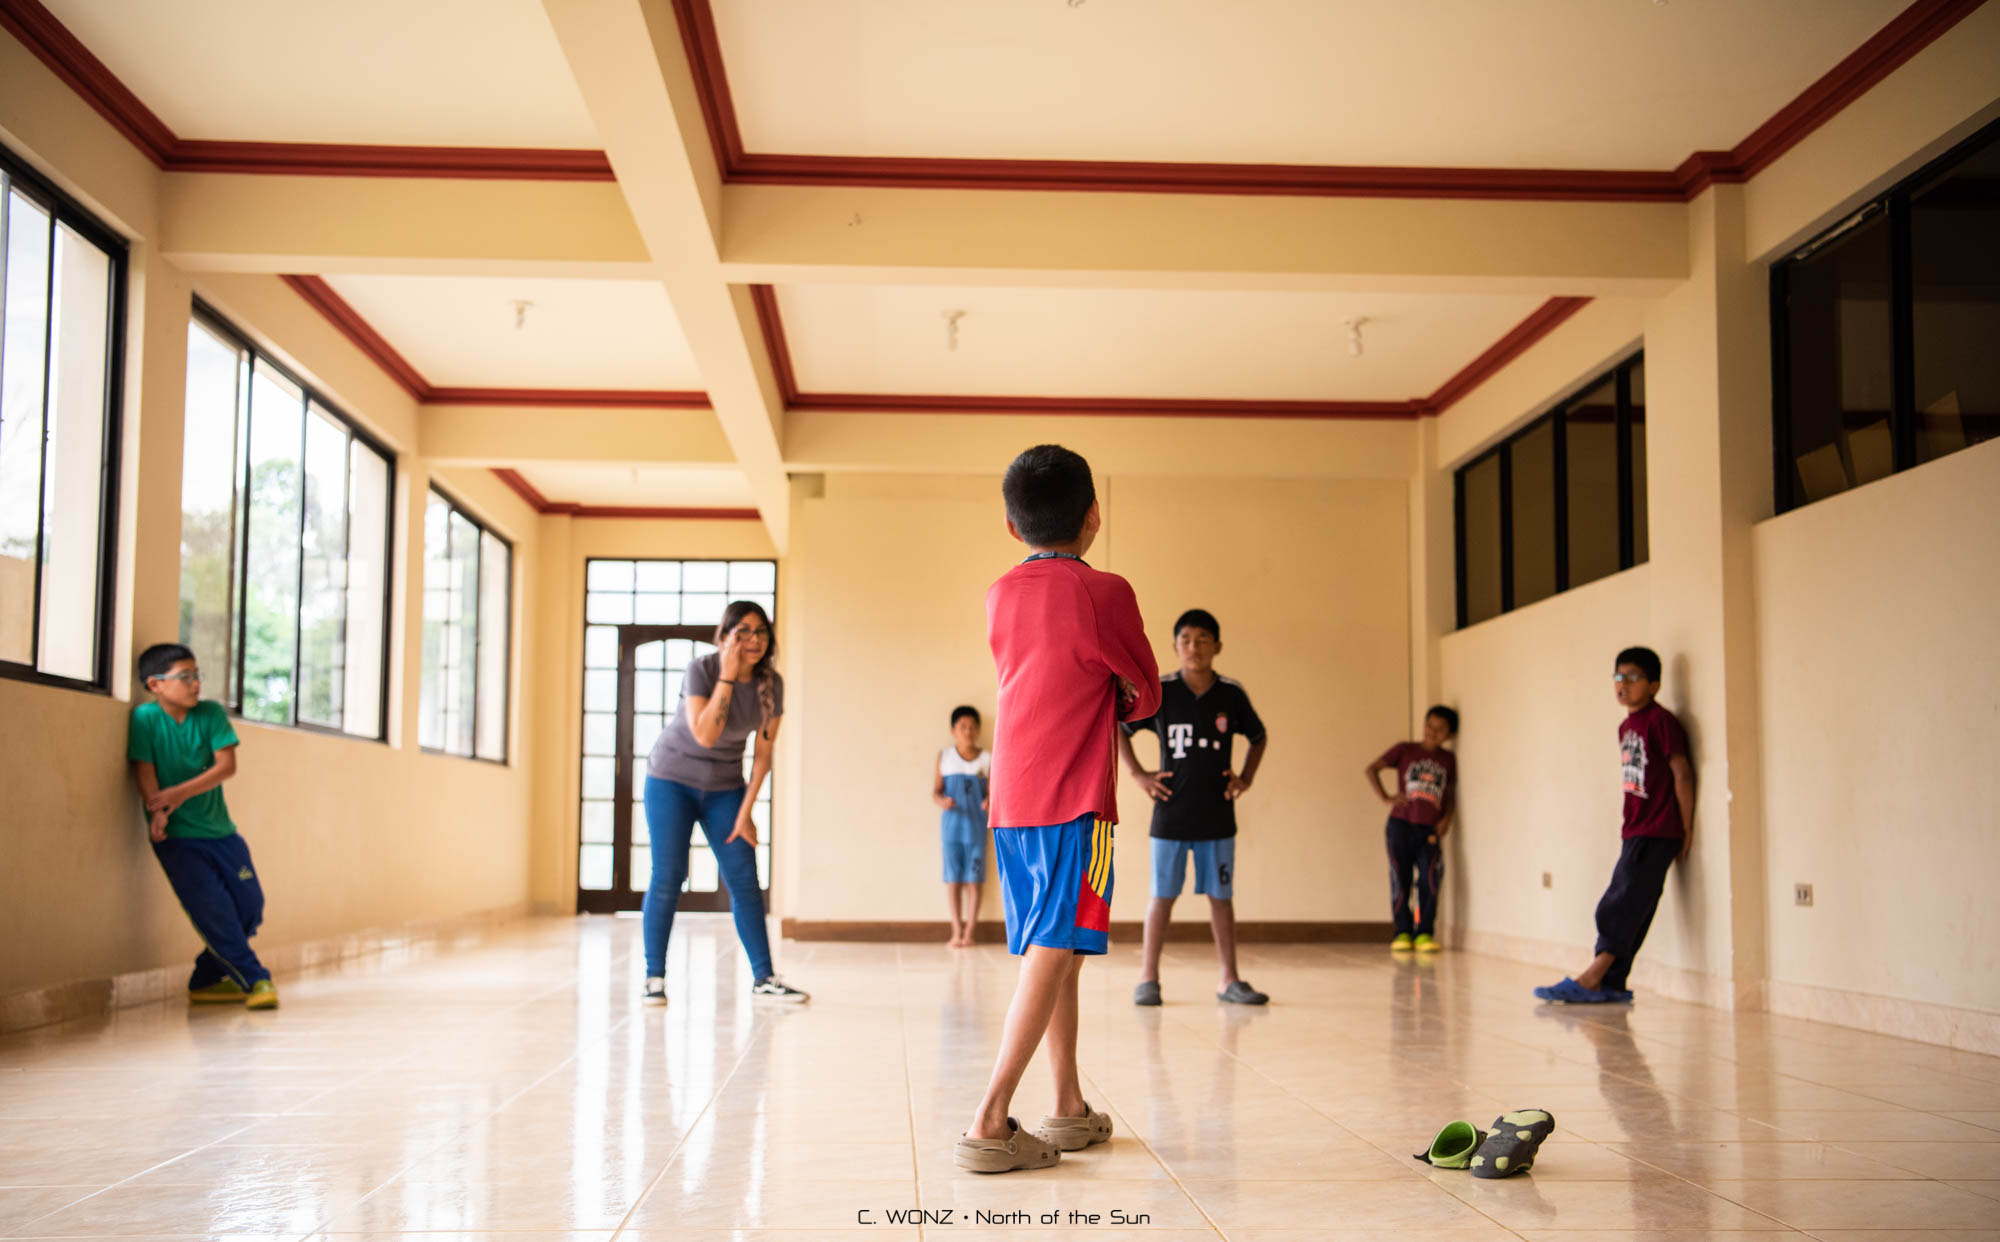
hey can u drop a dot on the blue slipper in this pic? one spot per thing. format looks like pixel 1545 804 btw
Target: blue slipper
pixel 1570 992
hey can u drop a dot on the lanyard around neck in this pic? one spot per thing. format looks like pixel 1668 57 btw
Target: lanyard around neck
pixel 1055 556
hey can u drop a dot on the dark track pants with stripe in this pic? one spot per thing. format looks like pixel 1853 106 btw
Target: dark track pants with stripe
pixel 1625 912
pixel 218 888
pixel 1416 868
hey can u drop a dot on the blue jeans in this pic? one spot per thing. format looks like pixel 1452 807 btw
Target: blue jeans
pixel 672 810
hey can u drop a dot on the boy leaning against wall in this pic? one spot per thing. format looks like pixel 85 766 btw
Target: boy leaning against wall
pixel 182 748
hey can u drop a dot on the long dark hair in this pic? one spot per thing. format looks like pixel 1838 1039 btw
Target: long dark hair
pixel 761 673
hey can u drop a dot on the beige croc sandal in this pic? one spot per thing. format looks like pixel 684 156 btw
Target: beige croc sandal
pixel 1076 1133
pixel 1021 1149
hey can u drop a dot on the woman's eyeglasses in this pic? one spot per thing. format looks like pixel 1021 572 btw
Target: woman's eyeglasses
pixel 744 633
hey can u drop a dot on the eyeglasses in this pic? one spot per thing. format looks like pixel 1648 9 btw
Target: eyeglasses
pixel 1633 678
pixel 191 676
pixel 744 633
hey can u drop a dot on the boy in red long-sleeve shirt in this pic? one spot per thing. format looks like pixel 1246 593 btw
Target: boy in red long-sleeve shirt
pixel 1073 661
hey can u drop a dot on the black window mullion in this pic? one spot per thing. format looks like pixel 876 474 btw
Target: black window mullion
pixel 1507 526
pixel 388 596
pixel 299 597
pixel 1902 337
pixel 346 573
pixel 1782 468
pixel 107 466
pixel 42 458
pixel 1458 522
pixel 246 377
pixel 1559 427
pixel 1627 523
pixel 478 590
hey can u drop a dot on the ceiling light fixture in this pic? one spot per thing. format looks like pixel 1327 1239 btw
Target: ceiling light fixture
pixel 951 318
pixel 1354 335
pixel 521 306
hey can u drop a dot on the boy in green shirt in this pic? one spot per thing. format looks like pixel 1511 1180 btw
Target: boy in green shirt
pixel 182 748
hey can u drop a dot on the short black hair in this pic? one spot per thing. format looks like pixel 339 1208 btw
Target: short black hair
pixel 1201 617
pixel 157 659
pixel 1446 714
pixel 960 713
pixel 1645 659
pixel 1048 491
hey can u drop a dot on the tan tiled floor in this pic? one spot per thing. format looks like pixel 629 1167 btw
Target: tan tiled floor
pixel 514 1086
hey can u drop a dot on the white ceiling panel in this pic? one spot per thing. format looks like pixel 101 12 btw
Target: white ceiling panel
pixel 1124 343
pixel 652 487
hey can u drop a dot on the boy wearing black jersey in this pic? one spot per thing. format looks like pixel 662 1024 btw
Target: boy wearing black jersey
pixel 1194 794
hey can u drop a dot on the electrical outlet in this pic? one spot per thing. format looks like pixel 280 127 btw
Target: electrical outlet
pixel 1548 879
pixel 1802 894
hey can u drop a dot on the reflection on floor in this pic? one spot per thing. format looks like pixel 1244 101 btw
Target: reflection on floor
pixel 514 1084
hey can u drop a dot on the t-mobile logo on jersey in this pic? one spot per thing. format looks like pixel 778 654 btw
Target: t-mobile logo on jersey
pixel 1178 737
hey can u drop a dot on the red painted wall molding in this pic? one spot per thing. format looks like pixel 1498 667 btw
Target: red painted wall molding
pixel 562 508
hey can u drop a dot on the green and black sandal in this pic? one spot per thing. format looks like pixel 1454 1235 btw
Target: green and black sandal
pixel 1453 1146
pixel 1510 1146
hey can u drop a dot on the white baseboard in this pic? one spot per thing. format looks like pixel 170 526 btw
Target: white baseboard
pixel 85 998
pixel 1970 1030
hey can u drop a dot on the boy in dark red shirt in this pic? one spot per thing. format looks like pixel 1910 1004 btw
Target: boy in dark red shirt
pixel 1659 827
pixel 1419 819
pixel 1073 661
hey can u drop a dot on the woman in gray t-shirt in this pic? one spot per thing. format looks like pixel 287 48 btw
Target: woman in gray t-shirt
pixel 695 775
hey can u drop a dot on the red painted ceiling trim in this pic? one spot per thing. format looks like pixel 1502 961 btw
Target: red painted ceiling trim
pixel 776 348
pixel 1545 319
pixel 525 490
pixel 572 398
pixel 321 297
pixel 67 57
pixel 326 159
pixel 1885 51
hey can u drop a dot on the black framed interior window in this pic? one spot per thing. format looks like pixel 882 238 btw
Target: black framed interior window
pixel 468 605
pixel 1559 503
pixel 62 315
pixel 285 542
pixel 1883 331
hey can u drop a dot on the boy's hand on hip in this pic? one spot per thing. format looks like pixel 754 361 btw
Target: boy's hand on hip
pixel 1236 787
pixel 1155 784
pixel 944 801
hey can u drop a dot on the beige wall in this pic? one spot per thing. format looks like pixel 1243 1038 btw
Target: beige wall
pixel 1875 631
pixel 885 632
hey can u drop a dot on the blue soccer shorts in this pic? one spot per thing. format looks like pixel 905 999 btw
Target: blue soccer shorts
pixel 1214 867
pixel 1056 883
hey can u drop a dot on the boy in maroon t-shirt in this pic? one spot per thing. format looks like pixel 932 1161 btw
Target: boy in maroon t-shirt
pixel 1659 827
pixel 1419 819
pixel 1073 661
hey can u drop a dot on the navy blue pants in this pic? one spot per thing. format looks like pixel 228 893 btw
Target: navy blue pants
pixel 672 810
pixel 1416 868
pixel 1625 913
pixel 219 890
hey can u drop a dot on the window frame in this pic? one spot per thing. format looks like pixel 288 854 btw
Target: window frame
pixel 1893 202
pixel 213 321
pixel 1619 375
pixel 66 211
pixel 506 758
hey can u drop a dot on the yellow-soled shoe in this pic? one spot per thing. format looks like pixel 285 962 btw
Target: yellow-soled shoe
pixel 1426 944
pixel 221 992
pixel 263 995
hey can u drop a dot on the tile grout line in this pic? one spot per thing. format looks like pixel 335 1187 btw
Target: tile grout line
pixel 217 1142
pixel 1164 1166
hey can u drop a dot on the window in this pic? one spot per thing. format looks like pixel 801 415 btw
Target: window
pixel 62 290
pixel 645 622
pixel 285 544
pixel 1559 503
pixel 468 598
pixel 1883 330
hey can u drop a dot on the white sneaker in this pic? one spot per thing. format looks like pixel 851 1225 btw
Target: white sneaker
pixel 770 987
pixel 655 992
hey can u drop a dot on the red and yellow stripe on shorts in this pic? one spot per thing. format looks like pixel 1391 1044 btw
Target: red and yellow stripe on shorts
pixel 1093 900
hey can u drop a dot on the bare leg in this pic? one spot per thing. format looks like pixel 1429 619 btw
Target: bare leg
pixel 1157 917
pixel 1222 920
pixel 971 895
pixel 1062 1047
pixel 1045 974
pixel 1593 974
pixel 951 897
